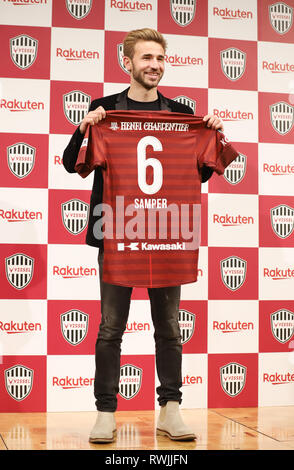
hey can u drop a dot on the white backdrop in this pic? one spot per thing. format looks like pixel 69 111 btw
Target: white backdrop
pixel 225 57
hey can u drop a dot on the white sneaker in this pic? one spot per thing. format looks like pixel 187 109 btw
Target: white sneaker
pixel 170 423
pixel 104 429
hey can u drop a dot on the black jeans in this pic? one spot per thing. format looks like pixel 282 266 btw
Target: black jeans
pixel 115 304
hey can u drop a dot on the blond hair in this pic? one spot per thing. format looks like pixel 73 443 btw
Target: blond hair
pixel 145 34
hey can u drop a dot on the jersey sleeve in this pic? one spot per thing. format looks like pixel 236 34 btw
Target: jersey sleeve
pixel 217 152
pixel 92 152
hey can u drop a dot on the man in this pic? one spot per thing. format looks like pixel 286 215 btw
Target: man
pixel 144 52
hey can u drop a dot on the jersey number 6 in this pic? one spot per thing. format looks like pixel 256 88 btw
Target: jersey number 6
pixel 144 162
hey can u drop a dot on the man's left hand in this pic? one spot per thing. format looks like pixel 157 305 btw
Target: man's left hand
pixel 214 122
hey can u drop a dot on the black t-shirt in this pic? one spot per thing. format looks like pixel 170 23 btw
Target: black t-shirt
pixel 143 105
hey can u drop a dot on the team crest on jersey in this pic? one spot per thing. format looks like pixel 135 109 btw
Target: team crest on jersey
pixel 233 62
pixel 120 54
pixel 233 271
pixel 235 172
pixel 75 215
pixel 19 270
pixel 75 106
pixel 281 17
pixel 187 101
pixel 130 381
pixel 23 51
pixel 187 325
pixel 19 381
pixel 74 326
pixel 282 220
pixel 282 117
pixel 79 9
pixel 114 126
pixel 183 13
pixel 21 159
pixel 233 378
pixel 282 325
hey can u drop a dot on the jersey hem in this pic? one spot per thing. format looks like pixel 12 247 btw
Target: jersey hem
pixel 173 283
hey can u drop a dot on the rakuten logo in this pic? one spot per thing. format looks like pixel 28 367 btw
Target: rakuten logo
pixel 72 382
pixel 71 54
pixel 228 14
pixel 191 380
pixel 232 220
pixel 20 216
pixel 277 169
pixel 18 105
pixel 276 67
pixel 68 272
pixel 58 160
pixel 278 379
pixel 17 327
pixel 26 2
pixel 278 274
pixel 232 327
pixel 181 61
pixel 227 115
pixel 130 6
pixel 135 327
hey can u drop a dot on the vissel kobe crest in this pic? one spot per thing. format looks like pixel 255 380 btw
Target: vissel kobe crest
pixel 282 117
pixel 282 220
pixel 281 17
pixel 187 101
pixel 233 272
pixel 183 13
pixel 75 215
pixel 75 106
pixel 130 381
pixel 233 62
pixel 235 172
pixel 233 378
pixel 282 325
pixel 187 325
pixel 21 159
pixel 79 9
pixel 19 270
pixel 19 381
pixel 74 326
pixel 120 54
pixel 23 51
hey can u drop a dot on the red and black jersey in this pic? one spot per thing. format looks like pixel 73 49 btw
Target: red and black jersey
pixel 151 192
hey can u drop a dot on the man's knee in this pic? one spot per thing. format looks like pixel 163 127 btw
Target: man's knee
pixel 169 330
pixel 111 327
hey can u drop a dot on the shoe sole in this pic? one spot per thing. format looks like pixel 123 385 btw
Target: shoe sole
pixel 184 437
pixel 101 440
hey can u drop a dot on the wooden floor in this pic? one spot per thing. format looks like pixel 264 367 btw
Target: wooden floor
pixel 269 428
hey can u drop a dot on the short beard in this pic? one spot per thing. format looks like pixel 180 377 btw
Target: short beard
pixel 139 79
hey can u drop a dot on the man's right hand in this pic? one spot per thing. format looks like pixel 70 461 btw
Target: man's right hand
pixel 92 118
